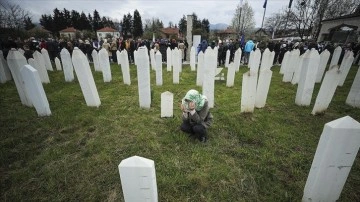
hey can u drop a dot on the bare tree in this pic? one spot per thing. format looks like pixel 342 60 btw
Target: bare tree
pixel 243 20
pixel 12 16
pixel 275 22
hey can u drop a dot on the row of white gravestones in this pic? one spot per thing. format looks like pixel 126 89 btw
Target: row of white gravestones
pixel 67 65
pixel 200 69
pixel 168 59
pixel 39 64
pixel 105 64
pixel 124 62
pixel 143 75
pixel 208 87
pixel 85 77
pixel 307 78
pixel 95 57
pixel 167 102
pixel 345 66
pixel 158 68
pixel 335 154
pixel 292 64
pixel 327 90
pixel 15 62
pixel 58 64
pixel 353 98
pixel 227 58
pixel 35 90
pixel 45 54
pixel 5 74
pixel 193 58
pixel 335 56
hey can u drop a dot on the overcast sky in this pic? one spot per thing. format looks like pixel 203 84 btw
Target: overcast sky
pixel 216 11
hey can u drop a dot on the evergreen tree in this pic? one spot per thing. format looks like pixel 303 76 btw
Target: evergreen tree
pixel 66 18
pixel 84 23
pixel 75 20
pixel 47 22
pixel 97 24
pixel 28 23
pixel 127 25
pixel 182 25
pixel 205 25
pixel 137 25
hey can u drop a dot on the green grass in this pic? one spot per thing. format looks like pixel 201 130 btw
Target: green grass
pixel 73 155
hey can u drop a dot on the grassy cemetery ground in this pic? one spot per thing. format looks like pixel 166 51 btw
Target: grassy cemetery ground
pixel 73 155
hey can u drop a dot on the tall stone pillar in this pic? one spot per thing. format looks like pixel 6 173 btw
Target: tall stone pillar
pixel 189 28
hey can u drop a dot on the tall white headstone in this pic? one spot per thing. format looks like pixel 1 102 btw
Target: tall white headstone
pixel 324 59
pixel 230 75
pixel 192 59
pixel 21 51
pixel 143 75
pixel 254 63
pixel 44 77
pixel 95 57
pixel 118 57
pixel 152 59
pixel 105 64
pixel 168 59
pixel 167 102
pixel 158 69
pixel 125 67
pixel 284 62
pixel 267 59
pixel 296 77
pixel 237 59
pixel 85 77
pixel 208 87
pixel 176 66
pixel 354 94
pixel 200 69
pixel 45 54
pixel 345 67
pixel 135 57
pixel 293 62
pixel 307 78
pixel 38 57
pixel 16 61
pixel 263 87
pixel 327 90
pixel 68 65
pixel 336 56
pixel 227 58
pixel 335 154
pixel 58 64
pixel 196 40
pixel 138 179
pixel 248 92
pixel 35 90
pixel 5 74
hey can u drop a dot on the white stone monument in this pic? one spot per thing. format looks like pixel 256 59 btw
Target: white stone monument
pixel 5 74
pixel 284 62
pixel 46 57
pixel 267 59
pixel 67 65
pixel 40 66
pixel 345 67
pixel 168 59
pixel 35 90
pixel 143 75
pixel 189 27
pixel 335 154
pixel 193 59
pixel 16 61
pixel 324 59
pixel 138 179
pixel 353 98
pixel 135 57
pixel 254 64
pixel 200 69
pixel 176 66
pixel 152 59
pixel 21 51
pixel 196 41
pixel 85 77
pixel 105 64
pixel 58 64
pixel 118 57
pixel 158 69
pixel 167 102
pixel 237 59
pixel 95 57
pixel 335 56
pixel 248 92
pixel 293 62
pixel 44 77
pixel 125 67
pixel 298 67
pixel 307 78
pixel 230 75
pixel 208 84
pixel 227 58
pixel 327 90
pixel 263 86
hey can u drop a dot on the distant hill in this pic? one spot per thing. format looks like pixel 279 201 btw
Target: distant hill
pixel 218 26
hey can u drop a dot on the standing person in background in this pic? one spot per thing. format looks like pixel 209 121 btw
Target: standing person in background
pixel 249 46
pixel 185 50
pixel 106 45
pixel 88 50
pixel 277 52
pixel 113 49
pixel 96 44
pixel 181 47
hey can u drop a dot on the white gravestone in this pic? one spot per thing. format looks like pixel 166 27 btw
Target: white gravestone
pixel 335 154
pixel 230 75
pixel 297 72
pixel 208 85
pixel 105 64
pixel 168 59
pixel 345 67
pixel 138 179
pixel 46 57
pixel 255 60
pixel 267 59
pixel 196 40
pixel 354 94
pixel 167 101
pixel 38 57
pixel 324 59
pixel 293 62
pixel 44 77
pixel 152 59
pixel 200 69
pixel 248 92
pixel 95 57
pixel 16 61
pixel 67 65
pixel 176 66
pixel 5 74
pixel 227 58
pixel 237 59
pixel 250 58
pixel 118 57
pixel 135 57
pixel 284 62
pixel 192 59
pixel 125 67
pixel 263 88
pixel 327 90
pixel 335 56
pixel 58 64
pixel 35 90
pixel 85 77
pixel 158 60
pixel 307 78
pixel 21 51
pixel 143 75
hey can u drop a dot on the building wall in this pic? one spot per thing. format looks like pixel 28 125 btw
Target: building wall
pixel 327 25
pixel 102 35
pixel 69 35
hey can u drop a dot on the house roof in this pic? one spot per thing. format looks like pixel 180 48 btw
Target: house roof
pixel 227 31
pixel 107 29
pixel 170 30
pixel 69 29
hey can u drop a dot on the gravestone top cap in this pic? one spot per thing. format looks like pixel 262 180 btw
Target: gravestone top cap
pixel 344 122
pixel 136 161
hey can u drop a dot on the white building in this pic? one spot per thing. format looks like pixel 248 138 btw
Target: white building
pixel 106 31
